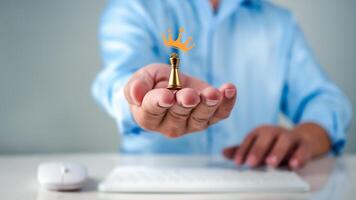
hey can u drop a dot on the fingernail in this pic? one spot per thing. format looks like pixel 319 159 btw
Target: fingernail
pixel 230 93
pixel 238 160
pixel 272 160
pixel 251 160
pixel 165 105
pixel 192 104
pixel 294 163
pixel 135 102
pixel 133 99
pixel 188 106
pixel 210 102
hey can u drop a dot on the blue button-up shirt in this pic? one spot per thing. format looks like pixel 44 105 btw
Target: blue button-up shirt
pixel 253 44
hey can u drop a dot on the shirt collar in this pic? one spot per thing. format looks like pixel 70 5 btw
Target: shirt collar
pixel 226 8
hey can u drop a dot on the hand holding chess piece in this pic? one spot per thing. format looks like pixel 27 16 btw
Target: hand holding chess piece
pixel 187 105
pixel 175 113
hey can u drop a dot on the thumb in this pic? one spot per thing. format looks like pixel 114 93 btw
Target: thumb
pixel 138 86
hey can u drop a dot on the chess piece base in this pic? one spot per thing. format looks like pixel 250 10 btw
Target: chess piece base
pixel 174 87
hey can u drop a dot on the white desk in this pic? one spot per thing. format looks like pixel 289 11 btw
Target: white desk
pixel 330 178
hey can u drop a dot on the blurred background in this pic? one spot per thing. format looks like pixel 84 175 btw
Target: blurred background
pixel 49 57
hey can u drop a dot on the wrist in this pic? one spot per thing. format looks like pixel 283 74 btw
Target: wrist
pixel 315 137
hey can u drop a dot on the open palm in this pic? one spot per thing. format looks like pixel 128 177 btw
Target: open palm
pixel 175 113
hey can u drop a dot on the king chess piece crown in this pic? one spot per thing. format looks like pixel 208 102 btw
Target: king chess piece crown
pixel 174 80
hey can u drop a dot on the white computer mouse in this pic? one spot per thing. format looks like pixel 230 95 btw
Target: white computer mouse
pixel 61 175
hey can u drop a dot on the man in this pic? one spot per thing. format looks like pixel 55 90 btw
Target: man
pixel 249 44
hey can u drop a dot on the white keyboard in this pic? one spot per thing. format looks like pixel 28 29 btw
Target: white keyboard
pixel 203 179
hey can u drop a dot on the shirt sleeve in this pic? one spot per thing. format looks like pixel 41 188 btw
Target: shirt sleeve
pixel 126 45
pixel 310 96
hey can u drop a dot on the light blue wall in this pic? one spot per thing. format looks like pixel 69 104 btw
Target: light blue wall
pixel 49 56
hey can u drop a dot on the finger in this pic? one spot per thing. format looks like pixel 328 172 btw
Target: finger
pixel 300 157
pixel 229 152
pixel 244 148
pixel 285 143
pixel 153 109
pixel 261 147
pixel 210 100
pixel 176 120
pixel 227 104
pixel 138 86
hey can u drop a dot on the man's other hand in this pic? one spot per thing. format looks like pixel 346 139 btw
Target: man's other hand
pixel 275 146
pixel 175 113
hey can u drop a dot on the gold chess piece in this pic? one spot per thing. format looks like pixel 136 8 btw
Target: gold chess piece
pixel 174 81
